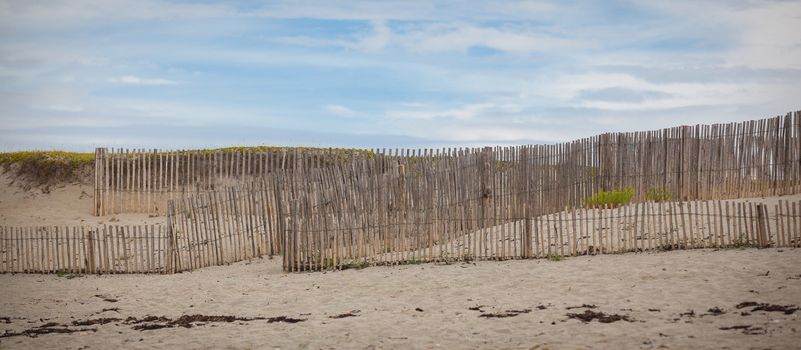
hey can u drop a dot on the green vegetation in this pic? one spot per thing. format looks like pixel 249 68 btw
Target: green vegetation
pixel 340 152
pixel 610 198
pixel 66 274
pixel 739 243
pixel 673 246
pixel 414 261
pixel 503 166
pixel 554 257
pixel 46 167
pixel 659 195
pixel 355 265
pixel 37 168
pixel 72 159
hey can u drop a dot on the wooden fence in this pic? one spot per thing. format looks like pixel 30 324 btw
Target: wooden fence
pixel 208 230
pixel 328 209
pixel 721 161
pixel 225 226
pixel 492 204
pixel 204 229
pixel 648 226
pixel 80 249
pixel 143 181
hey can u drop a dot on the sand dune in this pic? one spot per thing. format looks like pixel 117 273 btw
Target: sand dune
pixel 678 299
pixel 667 297
pixel 62 204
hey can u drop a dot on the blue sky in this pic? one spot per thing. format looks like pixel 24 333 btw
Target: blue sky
pixel 179 74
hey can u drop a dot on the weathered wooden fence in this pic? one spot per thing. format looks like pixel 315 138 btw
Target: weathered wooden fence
pixel 209 230
pixel 203 229
pixel 331 208
pixel 80 249
pixel 227 225
pixel 734 160
pixel 143 181
pixel 490 204
pixel 650 226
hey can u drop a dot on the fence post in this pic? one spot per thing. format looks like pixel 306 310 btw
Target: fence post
pixel 90 252
pixel 484 183
pixel 170 252
pixel 766 222
pixel 762 226
pixel 100 177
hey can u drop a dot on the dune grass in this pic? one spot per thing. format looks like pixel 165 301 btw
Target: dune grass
pixel 51 167
pixel 74 159
pixel 46 167
pixel 612 198
pixel 659 195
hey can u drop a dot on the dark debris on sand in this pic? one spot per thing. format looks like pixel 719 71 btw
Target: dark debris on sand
pixel 105 298
pixel 583 306
pixel 95 321
pixel 187 321
pixel 353 313
pixel 786 309
pixel 144 323
pixel 747 329
pixel 589 315
pixel 285 319
pixel 715 311
pixel 690 313
pixel 37 331
pixel 477 308
pixel 507 313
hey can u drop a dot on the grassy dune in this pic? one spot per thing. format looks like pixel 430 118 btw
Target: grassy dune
pixel 35 168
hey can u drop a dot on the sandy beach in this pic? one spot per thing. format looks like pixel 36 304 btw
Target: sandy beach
pixel 679 299
pixel 65 204
pixel 735 299
pixel 187 174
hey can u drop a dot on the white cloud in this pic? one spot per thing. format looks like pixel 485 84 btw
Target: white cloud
pixel 61 108
pixel 134 80
pixel 376 41
pixel 566 71
pixel 55 12
pixel 76 11
pixel 757 34
pixel 461 37
pixel 771 35
pixel 340 110
pixel 468 111
pixel 449 37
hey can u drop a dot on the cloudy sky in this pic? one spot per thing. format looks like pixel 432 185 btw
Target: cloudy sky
pixel 177 74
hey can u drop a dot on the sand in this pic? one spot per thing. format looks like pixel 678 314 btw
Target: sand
pixel 429 306
pixel 666 297
pixel 62 204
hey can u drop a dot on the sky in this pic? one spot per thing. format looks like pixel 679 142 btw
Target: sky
pixel 80 74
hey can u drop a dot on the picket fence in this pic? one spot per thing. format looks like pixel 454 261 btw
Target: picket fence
pixel 640 227
pixel 207 233
pixel 471 207
pixel 225 226
pixel 702 162
pixel 333 209
pixel 81 249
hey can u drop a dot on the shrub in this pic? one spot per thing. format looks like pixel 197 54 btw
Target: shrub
pixel 554 257
pixel 659 195
pixel 46 167
pixel 611 198
pixel 355 265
